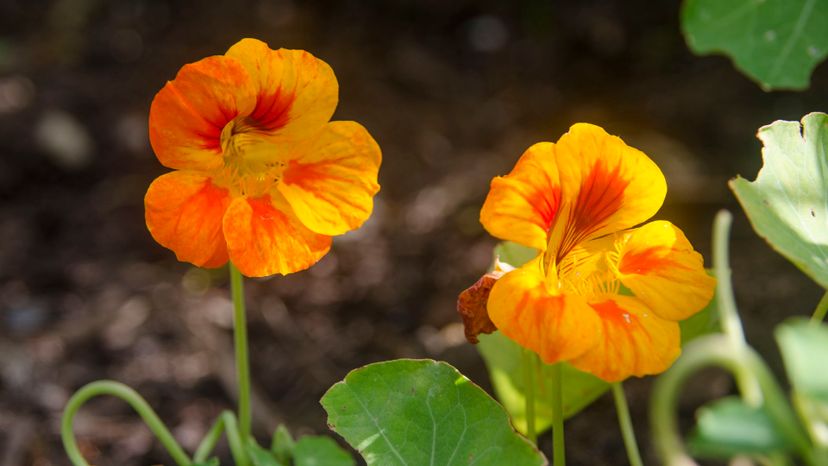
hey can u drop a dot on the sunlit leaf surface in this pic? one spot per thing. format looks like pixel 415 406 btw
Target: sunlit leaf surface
pixel 422 412
pixel 788 202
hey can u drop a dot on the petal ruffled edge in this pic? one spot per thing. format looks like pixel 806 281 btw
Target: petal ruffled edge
pixel 332 183
pixel 634 341
pixel 264 237
pixel 659 265
pixel 184 212
pixel 296 93
pixel 557 327
pixel 606 186
pixel 522 205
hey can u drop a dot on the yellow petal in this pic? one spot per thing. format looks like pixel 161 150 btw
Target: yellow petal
pixel 265 238
pixel 634 341
pixel 658 264
pixel 296 92
pixel 189 113
pixel 521 206
pixel 606 186
pixel 184 213
pixel 557 327
pixel 331 184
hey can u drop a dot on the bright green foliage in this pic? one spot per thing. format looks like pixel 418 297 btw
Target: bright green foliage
pixel 729 427
pixel 788 202
pixel 503 359
pixel 282 444
pixel 320 451
pixel 804 347
pixel 261 457
pixel 423 412
pixel 775 42
pixel 210 462
pixel 514 254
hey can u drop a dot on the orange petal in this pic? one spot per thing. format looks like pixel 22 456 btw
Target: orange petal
pixel 184 213
pixel 557 327
pixel 265 238
pixel 332 183
pixel 521 206
pixel 189 113
pixel 296 92
pixel 606 186
pixel 659 265
pixel 635 341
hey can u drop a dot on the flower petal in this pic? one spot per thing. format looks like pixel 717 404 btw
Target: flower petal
pixel 635 341
pixel 184 213
pixel 332 183
pixel 264 237
pixel 557 327
pixel 189 113
pixel 521 206
pixel 659 265
pixel 296 93
pixel 606 186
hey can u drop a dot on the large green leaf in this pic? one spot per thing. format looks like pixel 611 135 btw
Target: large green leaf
pixel 729 427
pixel 503 358
pixel 313 450
pixel 775 42
pixel 788 202
pixel 423 412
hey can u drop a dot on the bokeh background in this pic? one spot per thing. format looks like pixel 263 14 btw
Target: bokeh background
pixel 453 91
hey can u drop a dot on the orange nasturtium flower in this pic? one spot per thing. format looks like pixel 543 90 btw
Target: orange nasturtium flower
pixel 576 201
pixel 262 177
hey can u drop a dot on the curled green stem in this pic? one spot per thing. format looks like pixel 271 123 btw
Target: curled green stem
pixel 226 423
pixel 731 324
pixel 716 350
pixel 625 421
pixel 118 390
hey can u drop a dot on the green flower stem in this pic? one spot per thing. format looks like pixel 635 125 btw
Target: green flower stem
pixel 234 438
pixel 529 369
pixel 242 359
pixel 731 324
pixel 625 422
pixel 226 422
pixel 209 441
pixel 716 350
pixel 118 390
pixel 558 448
pixel 821 310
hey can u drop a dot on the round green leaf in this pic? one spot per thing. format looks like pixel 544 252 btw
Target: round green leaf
pixel 320 451
pixel 804 348
pixel 788 202
pixel 777 43
pixel 423 412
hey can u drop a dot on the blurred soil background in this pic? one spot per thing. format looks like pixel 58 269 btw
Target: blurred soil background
pixel 453 91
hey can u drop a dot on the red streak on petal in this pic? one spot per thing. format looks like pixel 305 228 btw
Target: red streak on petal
pixel 609 311
pixel 272 111
pixel 600 196
pixel 643 262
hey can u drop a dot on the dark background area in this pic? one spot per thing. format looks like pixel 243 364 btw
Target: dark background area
pixel 453 91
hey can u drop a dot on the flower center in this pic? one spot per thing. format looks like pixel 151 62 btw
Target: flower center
pixel 252 164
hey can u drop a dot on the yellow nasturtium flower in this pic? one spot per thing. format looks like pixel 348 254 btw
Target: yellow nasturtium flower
pixel 576 201
pixel 262 177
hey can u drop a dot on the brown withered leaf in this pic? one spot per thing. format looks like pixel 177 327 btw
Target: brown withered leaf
pixel 471 305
